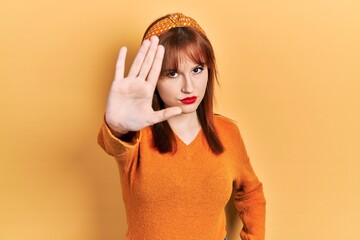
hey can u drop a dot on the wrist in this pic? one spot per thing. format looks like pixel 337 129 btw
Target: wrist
pixel 126 136
pixel 116 131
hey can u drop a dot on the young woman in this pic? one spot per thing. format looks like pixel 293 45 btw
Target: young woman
pixel 179 163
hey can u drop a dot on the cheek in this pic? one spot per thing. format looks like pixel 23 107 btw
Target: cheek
pixel 165 90
pixel 202 85
pixel 204 81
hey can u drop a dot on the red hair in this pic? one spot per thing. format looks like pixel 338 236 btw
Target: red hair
pixel 189 42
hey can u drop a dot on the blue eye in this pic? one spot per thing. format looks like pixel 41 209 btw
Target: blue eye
pixel 198 70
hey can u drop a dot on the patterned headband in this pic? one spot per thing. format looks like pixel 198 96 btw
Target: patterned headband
pixel 173 21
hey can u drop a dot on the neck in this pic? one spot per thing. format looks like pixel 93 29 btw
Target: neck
pixel 185 123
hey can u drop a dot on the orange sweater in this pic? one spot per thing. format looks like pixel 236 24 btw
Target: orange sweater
pixel 183 195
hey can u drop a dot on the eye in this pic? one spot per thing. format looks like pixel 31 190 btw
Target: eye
pixel 198 70
pixel 172 74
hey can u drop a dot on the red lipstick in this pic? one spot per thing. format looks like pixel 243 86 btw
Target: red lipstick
pixel 188 100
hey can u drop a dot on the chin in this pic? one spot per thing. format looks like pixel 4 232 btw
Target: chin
pixel 189 109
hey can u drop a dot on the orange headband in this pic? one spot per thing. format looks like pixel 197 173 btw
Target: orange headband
pixel 172 21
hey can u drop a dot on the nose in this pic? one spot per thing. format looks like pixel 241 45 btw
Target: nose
pixel 187 84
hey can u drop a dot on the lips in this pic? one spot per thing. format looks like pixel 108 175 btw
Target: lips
pixel 188 100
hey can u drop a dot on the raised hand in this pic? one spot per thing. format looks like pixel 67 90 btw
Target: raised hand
pixel 129 104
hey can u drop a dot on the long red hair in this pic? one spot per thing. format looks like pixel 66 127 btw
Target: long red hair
pixel 198 48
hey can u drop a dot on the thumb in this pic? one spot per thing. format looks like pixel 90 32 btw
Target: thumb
pixel 165 114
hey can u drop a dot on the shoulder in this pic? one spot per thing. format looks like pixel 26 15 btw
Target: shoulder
pixel 228 131
pixel 223 123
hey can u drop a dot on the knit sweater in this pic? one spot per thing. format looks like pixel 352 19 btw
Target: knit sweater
pixel 183 195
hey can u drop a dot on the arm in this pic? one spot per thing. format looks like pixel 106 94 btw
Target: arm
pixel 250 202
pixel 248 194
pixel 125 152
pixel 115 146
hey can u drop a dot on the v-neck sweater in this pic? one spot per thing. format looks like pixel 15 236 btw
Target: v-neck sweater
pixel 182 195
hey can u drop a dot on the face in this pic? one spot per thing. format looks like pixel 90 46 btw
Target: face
pixel 184 87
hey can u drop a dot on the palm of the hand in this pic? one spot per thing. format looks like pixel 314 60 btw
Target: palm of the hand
pixel 132 100
pixel 129 106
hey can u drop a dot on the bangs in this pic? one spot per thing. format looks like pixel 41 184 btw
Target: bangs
pixel 182 44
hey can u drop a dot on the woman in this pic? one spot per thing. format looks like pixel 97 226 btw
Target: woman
pixel 179 163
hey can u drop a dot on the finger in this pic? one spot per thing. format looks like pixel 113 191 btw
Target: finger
pixel 149 59
pixel 165 114
pixel 139 59
pixel 156 67
pixel 120 64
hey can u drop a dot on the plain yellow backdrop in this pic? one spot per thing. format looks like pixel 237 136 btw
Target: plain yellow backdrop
pixel 289 76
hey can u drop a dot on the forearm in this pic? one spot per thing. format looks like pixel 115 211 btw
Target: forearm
pixel 251 206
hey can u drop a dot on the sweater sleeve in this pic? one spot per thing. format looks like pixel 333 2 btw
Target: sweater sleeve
pixel 249 198
pixel 115 147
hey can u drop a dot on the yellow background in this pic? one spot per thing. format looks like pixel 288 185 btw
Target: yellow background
pixel 290 77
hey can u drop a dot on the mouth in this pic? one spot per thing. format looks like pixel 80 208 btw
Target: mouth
pixel 189 100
